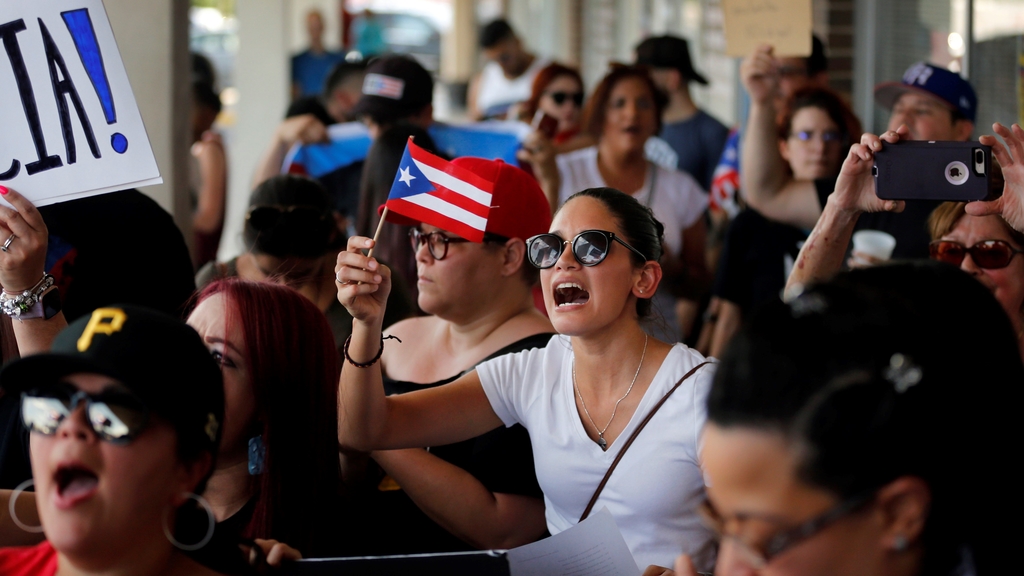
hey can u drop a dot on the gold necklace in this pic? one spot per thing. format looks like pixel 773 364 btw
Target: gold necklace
pixel 600 433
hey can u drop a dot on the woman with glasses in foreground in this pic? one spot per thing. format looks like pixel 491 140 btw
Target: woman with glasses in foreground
pixel 582 397
pixel 866 428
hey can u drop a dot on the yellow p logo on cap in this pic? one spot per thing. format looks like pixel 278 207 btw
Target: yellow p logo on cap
pixel 103 321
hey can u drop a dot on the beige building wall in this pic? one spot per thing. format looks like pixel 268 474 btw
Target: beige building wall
pixel 152 37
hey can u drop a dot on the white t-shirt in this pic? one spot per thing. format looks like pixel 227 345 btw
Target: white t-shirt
pixel 677 203
pixel 654 492
pixel 497 90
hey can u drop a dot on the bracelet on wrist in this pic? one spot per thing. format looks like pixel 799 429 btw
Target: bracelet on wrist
pixel 19 305
pixel 375 358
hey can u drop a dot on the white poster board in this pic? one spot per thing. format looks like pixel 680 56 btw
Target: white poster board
pixel 69 124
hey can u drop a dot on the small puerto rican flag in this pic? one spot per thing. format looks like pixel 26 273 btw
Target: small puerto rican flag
pixel 381 85
pixel 430 190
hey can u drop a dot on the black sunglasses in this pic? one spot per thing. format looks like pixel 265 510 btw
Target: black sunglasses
pixel 989 254
pixel 561 97
pixel 590 248
pixel 266 217
pixel 116 416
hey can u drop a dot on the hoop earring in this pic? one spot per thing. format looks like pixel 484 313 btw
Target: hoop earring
pixel 209 531
pixel 900 543
pixel 11 508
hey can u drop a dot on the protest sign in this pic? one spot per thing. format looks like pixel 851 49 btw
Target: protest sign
pixel 69 124
pixel 785 24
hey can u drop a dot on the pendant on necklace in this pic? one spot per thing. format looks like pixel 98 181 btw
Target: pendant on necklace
pixel 602 443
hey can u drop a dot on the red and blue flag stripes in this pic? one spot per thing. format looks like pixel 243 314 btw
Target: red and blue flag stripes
pixel 430 190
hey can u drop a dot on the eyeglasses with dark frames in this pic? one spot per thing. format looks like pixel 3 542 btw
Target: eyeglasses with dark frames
pixel 758 555
pixel 589 247
pixel 437 242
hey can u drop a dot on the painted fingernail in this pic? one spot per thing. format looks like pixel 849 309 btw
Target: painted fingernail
pixel 3 190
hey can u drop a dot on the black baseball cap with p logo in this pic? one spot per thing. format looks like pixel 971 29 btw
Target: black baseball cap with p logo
pixel 157 357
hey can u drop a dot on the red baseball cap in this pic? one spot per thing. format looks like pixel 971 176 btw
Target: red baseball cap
pixel 519 208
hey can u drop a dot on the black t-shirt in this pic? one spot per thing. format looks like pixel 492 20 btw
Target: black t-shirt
pixel 756 259
pixel 910 227
pixel 502 460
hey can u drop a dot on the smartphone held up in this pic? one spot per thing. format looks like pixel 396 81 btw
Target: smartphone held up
pixel 935 170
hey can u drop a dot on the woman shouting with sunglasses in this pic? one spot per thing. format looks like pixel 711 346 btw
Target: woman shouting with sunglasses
pixel 614 414
pixel 623 113
pixel 120 450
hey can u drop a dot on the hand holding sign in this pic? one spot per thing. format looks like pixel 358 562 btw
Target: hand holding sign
pixel 68 47
pixel 23 233
pixel 785 24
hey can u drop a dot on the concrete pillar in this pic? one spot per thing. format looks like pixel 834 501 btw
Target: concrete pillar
pixel 262 78
pixel 459 50
pixel 152 37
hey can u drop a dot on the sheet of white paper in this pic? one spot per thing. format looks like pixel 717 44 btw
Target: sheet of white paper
pixel 594 547
pixel 69 123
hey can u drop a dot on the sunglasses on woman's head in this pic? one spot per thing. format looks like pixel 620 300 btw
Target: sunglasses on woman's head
pixel 116 416
pixel 560 97
pixel 989 254
pixel 589 247
pixel 266 217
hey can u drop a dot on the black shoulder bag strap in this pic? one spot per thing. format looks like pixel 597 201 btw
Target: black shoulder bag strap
pixel 632 437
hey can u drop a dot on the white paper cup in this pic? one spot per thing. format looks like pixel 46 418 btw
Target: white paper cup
pixel 874 243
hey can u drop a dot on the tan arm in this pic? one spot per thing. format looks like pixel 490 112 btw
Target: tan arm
pixel 461 504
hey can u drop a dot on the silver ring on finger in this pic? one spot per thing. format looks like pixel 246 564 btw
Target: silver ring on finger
pixel 337 278
pixel 7 243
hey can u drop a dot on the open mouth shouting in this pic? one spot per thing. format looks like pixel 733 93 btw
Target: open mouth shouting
pixel 570 294
pixel 75 484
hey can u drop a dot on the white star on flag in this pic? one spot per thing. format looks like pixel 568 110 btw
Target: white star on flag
pixel 406 177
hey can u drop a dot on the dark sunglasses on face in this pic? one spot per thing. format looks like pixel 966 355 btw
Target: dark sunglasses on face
pixel 266 217
pixel 560 97
pixel 589 247
pixel 989 254
pixel 758 555
pixel 116 416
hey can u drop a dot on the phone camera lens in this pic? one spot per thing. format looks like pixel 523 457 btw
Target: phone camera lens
pixel 979 156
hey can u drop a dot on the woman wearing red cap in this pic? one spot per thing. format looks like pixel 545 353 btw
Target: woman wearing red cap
pixel 481 492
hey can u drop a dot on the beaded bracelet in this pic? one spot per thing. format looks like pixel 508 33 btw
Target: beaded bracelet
pixel 18 303
pixel 375 358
